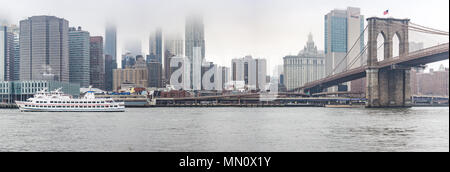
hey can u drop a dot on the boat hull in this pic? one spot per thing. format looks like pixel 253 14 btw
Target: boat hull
pixel 23 109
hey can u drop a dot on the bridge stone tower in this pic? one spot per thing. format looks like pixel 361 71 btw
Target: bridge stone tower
pixel 387 87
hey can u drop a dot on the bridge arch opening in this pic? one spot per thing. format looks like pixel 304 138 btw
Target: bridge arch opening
pixel 396 45
pixel 381 38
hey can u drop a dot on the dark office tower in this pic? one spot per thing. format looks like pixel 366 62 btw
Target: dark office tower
pixel 79 56
pixel 154 73
pixel 97 63
pixel 155 45
pixel 111 50
pixel 44 49
pixel 108 67
pixel 194 35
pixel 167 72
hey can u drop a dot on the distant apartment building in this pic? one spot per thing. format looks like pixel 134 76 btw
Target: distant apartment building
pixel 252 72
pixel 44 49
pixel 433 83
pixel 97 63
pixel 223 74
pixel 307 66
pixel 79 57
pixel 136 77
pixel 342 31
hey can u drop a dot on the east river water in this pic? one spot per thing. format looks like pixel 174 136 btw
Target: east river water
pixel 228 129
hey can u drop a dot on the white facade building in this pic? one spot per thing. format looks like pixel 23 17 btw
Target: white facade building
pixel 307 66
pixel 252 71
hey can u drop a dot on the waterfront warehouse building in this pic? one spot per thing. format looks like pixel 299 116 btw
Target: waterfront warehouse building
pixel 307 66
pixel 44 49
pixel 79 57
pixel 10 91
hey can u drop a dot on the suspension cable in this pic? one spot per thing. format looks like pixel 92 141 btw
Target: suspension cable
pixel 358 40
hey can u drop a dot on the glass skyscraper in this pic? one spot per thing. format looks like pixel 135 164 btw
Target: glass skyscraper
pixel 342 30
pixel 6 54
pixel 79 57
pixel 156 45
pixel 194 37
pixel 111 51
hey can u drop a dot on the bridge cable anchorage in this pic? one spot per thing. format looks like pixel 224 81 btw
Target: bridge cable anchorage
pixel 348 52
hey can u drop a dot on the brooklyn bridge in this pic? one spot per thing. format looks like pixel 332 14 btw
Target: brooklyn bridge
pixel 387 80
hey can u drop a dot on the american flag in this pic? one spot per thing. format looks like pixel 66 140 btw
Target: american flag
pixel 386 12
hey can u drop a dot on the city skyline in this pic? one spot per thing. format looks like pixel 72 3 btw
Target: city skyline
pixel 254 33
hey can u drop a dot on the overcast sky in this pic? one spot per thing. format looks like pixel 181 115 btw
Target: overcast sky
pixel 268 29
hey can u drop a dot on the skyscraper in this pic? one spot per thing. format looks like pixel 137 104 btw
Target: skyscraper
pixel 154 69
pixel 79 57
pixel 194 37
pixel 173 46
pixel 6 54
pixel 111 51
pixel 156 45
pixel 342 30
pixel 97 63
pixel 44 49
pixel 174 43
pixel 16 32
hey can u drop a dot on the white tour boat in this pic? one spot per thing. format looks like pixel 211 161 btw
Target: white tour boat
pixel 56 101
